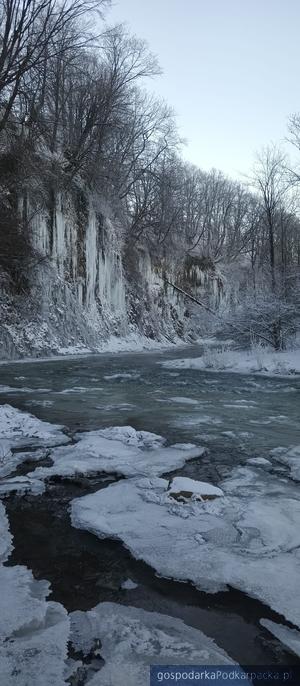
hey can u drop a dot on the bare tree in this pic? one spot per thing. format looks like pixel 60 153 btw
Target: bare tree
pixel 31 31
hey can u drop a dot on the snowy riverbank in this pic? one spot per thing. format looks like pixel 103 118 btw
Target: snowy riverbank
pixel 132 343
pixel 258 360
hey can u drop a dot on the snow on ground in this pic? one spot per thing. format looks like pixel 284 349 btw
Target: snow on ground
pixel 289 637
pixel 289 457
pixel 134 342
pixel 257 360
pixel 249 539
pixel 133 639
pixel 118 450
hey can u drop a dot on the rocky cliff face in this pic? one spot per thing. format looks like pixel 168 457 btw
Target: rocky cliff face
pixel 87 285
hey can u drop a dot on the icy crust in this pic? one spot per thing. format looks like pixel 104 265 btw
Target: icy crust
pixel 133 639
pixel 120 450
pixel 289 637
pixel 21 429
pixel 248 539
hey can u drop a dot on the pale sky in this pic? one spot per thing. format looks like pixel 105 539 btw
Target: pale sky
pixel 231 71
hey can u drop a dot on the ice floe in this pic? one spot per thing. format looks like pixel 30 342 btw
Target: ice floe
pixel 259 462
pixel 248 539
pixel 129 436
pixel 22 429
pixel 33 632
pixel 9 461
pixel 183 401
pixel 129 585
pixel 289 637
pixel 118 450
pixel 196 420
pixel 290 458
pixel 22 484
pixel 131 639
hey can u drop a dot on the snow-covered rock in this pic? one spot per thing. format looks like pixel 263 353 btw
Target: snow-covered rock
pixel 248 539
pixel 289 637
pixel 133 639
pixel 182 487
pixel 120 450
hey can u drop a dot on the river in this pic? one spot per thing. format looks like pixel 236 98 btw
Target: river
pixel 235 416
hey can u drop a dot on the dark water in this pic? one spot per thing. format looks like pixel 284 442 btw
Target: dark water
pixel 259 414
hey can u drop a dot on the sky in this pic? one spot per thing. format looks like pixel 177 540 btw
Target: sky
pixel 231 71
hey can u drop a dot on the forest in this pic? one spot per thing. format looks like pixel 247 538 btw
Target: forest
pixel 78 116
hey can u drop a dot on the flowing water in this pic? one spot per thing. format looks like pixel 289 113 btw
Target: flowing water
pixel 234 416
